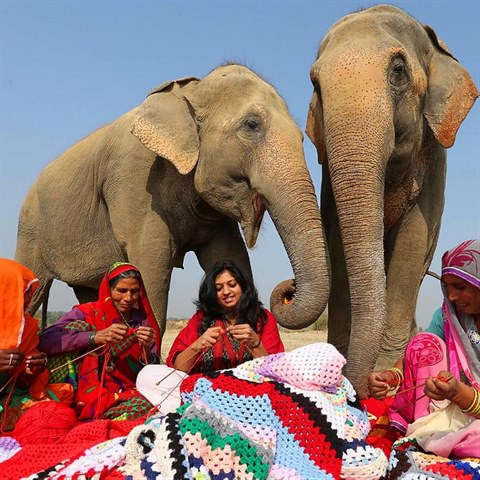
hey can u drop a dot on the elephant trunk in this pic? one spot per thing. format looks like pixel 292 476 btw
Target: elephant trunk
pixel 359 142
pixel 299 303
pixel 361 225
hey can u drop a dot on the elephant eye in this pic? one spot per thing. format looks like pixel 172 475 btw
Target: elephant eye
pixel 398 72
pixel 251 123
pixel 251 128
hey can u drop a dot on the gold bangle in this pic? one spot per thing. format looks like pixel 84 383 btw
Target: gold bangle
pixel 397 374
pixel 474 408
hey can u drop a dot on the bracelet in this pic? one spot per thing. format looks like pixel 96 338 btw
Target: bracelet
pixel 91 338
pixel 398 376
pixel 140 359
pixel 474 408
pixel 257 345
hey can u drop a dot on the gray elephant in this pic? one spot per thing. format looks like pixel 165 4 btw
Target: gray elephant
pixel 204 155
pixel 388 98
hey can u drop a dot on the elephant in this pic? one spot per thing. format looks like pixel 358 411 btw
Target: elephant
pixel 388 99
pixel 179 173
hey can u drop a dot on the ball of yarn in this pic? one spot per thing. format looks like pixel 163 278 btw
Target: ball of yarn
pixel 45 422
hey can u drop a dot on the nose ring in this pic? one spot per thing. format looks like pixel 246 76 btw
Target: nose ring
pixel 11 359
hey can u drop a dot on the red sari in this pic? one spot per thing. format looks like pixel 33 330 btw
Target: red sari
pixel 106 381
pixel 227 353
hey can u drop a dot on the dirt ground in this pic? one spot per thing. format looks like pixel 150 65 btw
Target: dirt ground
pixel 291 339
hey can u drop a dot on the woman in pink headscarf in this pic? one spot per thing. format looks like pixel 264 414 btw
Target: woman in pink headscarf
pixel 438 379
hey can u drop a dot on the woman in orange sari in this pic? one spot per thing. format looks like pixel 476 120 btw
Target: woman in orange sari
pixel 23 373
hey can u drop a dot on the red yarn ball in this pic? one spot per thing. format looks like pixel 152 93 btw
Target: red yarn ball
pixel 45 422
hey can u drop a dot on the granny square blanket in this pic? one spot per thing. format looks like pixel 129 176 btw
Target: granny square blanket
pixel 286 416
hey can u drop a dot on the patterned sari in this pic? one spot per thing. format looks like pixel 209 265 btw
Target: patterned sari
pixel 105 379
pixel 451 431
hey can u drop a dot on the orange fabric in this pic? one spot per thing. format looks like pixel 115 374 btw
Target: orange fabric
pixel 19 329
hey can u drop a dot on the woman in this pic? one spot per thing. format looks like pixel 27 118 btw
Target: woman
pixel 438 380
pixel 230 327
pixel 123 322
pixel 23 374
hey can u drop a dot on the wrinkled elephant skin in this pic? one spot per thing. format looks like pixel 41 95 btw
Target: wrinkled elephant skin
pixel 178 174
pixel 388 99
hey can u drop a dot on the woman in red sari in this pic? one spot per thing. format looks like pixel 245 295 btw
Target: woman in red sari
pixel 230 326
pixel 123 322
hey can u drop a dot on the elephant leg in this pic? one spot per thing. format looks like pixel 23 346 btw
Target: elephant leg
pixel 339 308
pixel 227 244
pixel 152 252
pixel 85 294
pixel 409 249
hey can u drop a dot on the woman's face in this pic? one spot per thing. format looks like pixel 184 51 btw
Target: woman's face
pixel 125 294
pixel 228 290
pixel 463 294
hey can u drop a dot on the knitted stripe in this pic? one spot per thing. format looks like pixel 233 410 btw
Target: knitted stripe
pixel 224 427
pixel 241 446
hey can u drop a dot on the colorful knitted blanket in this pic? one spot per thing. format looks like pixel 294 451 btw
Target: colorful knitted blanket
pixel 286 416
pixel 409 461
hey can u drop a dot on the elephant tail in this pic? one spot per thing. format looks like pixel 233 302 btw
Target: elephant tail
pixel 41 298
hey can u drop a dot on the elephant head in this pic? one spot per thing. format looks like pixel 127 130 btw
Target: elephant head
pixel 234 133
pixel 388 95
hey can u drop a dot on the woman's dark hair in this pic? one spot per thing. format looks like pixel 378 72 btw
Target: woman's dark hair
pixel 249 309
pixel 128 274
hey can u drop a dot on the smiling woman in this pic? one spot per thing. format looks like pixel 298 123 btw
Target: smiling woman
pixel 230 326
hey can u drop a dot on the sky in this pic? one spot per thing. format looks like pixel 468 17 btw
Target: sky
pixel 69 67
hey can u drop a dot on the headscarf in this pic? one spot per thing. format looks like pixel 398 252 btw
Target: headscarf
pixel 19 329
pixel 101 386
pixel 462 261
pixel 103 312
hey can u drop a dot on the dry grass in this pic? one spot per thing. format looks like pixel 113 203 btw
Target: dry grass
pixel 291 338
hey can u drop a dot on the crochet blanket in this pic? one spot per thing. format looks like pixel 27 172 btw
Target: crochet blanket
pixel 287 416
pixel 409 461
pixel 291 415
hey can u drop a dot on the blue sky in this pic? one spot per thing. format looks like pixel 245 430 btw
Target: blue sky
pixel 68 67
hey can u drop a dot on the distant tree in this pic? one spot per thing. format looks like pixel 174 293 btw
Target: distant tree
pixel 52 317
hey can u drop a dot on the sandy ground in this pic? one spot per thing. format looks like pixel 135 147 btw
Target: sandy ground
pixel 291 339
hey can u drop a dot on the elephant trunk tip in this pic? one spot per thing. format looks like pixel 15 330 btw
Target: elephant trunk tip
pixel 289 311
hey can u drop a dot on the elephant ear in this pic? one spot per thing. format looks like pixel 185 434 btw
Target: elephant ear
pixel 314 129
pixel 451 93
pixel 165 123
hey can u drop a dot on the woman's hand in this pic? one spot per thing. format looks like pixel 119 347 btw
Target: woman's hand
pixel 146 336
pixel 208 339
pixel 379 384
pixel 442 387
pixel 36 364
pixel 116 332
pixel 10 358
pixel 244 333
